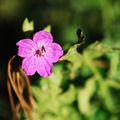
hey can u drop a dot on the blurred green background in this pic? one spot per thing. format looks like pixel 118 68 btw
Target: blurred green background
pixel 85 97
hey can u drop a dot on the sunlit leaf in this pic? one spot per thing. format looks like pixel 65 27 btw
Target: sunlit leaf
pixel 84 96
pixel 48 28
pixel 69 96
pixel 114 70
pixel 27 26
pixel 96 50
pixel 73 57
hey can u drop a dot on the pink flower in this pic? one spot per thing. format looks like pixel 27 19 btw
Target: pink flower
pixel 39 54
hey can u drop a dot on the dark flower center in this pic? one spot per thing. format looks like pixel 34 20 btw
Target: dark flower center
pixel 40 52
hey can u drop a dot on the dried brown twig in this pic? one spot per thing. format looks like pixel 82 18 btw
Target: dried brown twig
pixel 18 83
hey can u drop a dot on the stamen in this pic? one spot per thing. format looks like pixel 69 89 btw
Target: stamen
pixel 43 49
pixel 40 52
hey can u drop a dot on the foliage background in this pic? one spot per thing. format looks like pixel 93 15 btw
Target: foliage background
pixel 85 85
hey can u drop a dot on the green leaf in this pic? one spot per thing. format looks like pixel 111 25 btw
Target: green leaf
pixel 72 54
pixel 106 96
pixel 48 28
pixel 114 70
pixel 74 58
pixel 69 96
pixel 84 96
pixel 96 50
pixel 27 26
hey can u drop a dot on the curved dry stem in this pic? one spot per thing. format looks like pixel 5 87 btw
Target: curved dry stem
pixel 10 96
pixel 29 91
pixel 17 84
pixel 31 100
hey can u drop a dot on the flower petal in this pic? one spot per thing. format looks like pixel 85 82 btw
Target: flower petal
pixel 42 35
pixel 57 52
pixel 26 47
pixel 29 65
pixel 44 67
